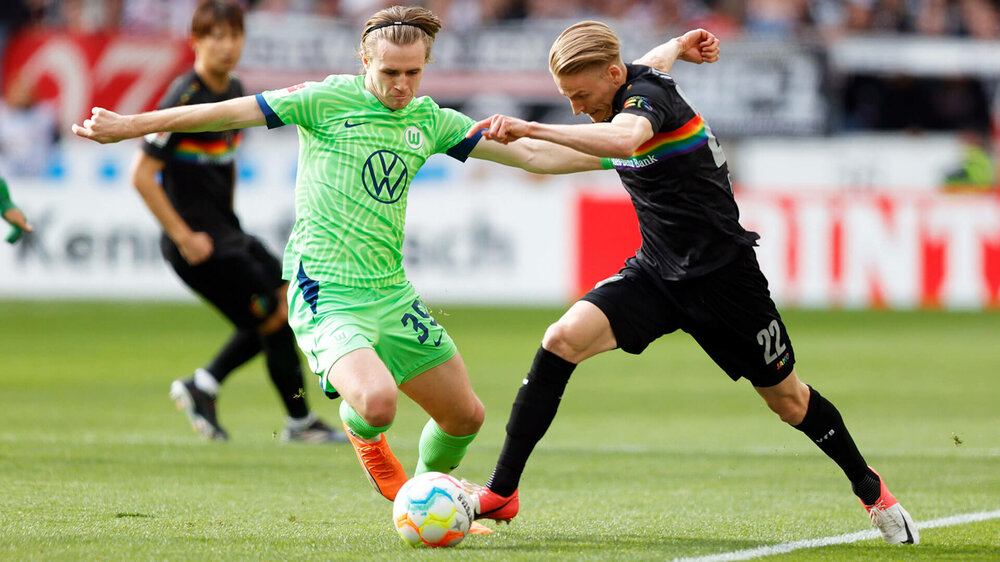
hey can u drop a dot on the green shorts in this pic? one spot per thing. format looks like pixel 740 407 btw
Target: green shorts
pixel 331 320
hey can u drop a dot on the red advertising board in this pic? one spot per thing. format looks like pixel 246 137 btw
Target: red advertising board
pixel 864 250
pixel 125 73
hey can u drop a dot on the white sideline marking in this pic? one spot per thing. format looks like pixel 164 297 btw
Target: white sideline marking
pixel 839 539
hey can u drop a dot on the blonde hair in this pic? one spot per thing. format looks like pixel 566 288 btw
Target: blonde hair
pixel 400 25
pixel 583 46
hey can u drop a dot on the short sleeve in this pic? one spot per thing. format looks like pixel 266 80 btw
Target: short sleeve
pixel 452 127
pixel 647 96
pixel 291 105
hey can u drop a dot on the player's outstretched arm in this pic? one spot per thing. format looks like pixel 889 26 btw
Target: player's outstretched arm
pixel 695 46
pixel 616 139
pixel 539 157
pixel 106 126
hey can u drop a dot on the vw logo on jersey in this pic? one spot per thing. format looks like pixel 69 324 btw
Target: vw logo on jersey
pixel 384 176
pixel 413 137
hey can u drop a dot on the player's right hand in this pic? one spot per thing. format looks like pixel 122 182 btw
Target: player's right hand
pixel 698 46
pixel 196 247
pixel 15 217
pixel 104 126
pixel 500 128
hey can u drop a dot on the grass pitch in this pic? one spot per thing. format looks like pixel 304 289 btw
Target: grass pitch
pixel 651 457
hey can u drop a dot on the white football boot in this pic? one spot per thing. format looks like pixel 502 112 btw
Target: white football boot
pixel 892 520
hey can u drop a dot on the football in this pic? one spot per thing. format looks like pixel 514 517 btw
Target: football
pixel 432 509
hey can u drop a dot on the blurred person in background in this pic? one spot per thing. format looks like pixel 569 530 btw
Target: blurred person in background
pixel 775 19
pixel 696 269
pixel 187 181
pixel 157 16
pixel 87 16
pixel 15 217
pixel 358 319
pixel 13 15
pixel 29 132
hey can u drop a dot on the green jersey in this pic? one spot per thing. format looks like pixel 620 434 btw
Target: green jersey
pixel 356 161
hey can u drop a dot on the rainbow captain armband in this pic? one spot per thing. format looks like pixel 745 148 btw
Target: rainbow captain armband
pixel 607 164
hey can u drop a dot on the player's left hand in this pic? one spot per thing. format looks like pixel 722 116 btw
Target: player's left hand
pixel 500 128
pixel 698 46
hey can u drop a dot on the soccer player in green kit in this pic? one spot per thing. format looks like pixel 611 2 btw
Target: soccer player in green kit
pixel 362 138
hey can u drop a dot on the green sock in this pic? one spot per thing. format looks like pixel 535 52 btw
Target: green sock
pixel 357 424
pixel 439 451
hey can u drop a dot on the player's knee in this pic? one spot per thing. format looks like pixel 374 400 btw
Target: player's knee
pixel 561 339
pixel 475 417
pixel 378 409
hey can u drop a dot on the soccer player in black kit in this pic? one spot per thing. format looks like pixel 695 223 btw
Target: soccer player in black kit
pixel 203 242
pixel 695 271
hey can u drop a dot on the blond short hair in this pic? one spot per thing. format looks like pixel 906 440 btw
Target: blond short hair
pixel 582 46
pixel 400 25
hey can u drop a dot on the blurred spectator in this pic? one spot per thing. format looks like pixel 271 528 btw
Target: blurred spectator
pixel 976 171
pixel 28 131
pixel 891 16
pixel 13 14
pixel 721 17
pixel 775 19
pixel 86 16
pixel 973 18
pixel 463 15
pixel 158 16
pixel 981 18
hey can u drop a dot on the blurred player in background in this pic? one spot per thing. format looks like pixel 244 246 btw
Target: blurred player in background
pixel 203 242
pixel 696 269
pixel 15 217
pixel 356 316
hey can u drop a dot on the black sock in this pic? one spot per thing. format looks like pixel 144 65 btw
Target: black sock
pixel 868 488
pixel 241 347
pixel 285 370
pixel 533 411
pixel 826 428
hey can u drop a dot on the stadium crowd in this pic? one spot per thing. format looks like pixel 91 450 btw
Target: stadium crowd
pixel 861 101
pixel 727 18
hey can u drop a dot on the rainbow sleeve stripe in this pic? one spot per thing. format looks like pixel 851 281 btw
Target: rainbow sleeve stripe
pixel 207 152
pixel 663 146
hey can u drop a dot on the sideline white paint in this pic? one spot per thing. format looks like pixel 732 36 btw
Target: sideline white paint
pixel 783 548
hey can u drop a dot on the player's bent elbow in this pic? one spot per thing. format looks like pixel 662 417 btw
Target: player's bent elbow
pixel 623 148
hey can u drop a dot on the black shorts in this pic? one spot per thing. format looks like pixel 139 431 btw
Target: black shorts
pixel 729 312
pixel 241 283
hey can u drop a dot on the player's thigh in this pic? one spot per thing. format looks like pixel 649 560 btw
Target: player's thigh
pixel 242 287
pixel 446 394
pixel 328 325
pixel 582 332
pixel 636 307
pixel 363 380
pixel 736 322
pixel 410 340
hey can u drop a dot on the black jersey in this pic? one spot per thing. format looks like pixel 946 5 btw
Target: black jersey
pixel 199 170
pixel 678 181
